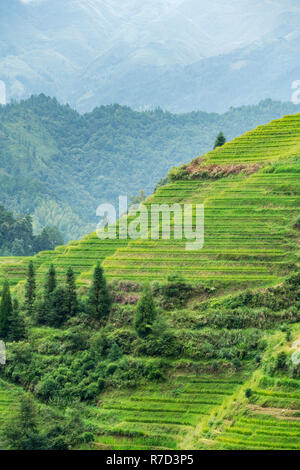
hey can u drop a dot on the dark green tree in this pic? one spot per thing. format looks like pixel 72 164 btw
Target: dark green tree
pixel 58 310
pixel 50 285
pixel 42 312
pixel 6 310
pixel 115 353
pixel 16 330
pixel 145 314
pixel 22 432
pixel 220 140
pixel 99 301
pixel 30 288
pixel 71 295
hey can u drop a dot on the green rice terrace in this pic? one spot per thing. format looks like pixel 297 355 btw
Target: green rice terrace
pixel 220 368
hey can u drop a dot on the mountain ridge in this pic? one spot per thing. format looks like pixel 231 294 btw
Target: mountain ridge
pixel 105 46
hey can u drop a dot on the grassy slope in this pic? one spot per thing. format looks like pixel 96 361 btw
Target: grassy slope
pixel 248 219
pixel 249 242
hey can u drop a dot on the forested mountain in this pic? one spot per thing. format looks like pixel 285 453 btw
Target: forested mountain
pixel 17 237
pixel 58 165
pixel 179 54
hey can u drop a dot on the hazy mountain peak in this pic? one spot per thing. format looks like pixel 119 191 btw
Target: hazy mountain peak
pixel 104 51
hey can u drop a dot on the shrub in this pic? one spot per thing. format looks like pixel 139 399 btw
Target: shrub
pixel 115 353
pixel 281 360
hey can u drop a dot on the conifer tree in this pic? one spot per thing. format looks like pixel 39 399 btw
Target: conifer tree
pixel 220 140
pixel 58 312
pixel 50 285
pixel 6 310
pixel 16 331
pixel 145 314
pixel 22 432
pixel 71 295
pixel 30 288
pixel 99 300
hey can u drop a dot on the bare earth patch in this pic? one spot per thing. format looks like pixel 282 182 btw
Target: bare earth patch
pixel 275 412
pixel 214 171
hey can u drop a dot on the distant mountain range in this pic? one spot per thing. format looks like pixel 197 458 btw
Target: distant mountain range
pixel 59 165
pixel 181 55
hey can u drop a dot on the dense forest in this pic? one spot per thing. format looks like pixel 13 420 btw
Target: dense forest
pixel 17 237
pixel 58 165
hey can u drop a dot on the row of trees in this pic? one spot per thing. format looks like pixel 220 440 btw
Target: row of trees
pixel 60 302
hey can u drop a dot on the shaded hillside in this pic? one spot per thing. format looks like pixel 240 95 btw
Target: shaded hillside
pixel 59 166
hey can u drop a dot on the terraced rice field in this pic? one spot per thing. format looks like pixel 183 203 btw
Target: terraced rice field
pixel 160 416
pixel 248 222
pixel 275 141
pixel 250 241
pixel 271 420
pixel 261 432
pixel 248 219
pixel 9 402
pixel 81 255
pixel 247 232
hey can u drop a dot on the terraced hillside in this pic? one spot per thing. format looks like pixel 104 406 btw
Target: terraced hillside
pixel 81 255
pixel 160 416
pixel 250 189
pixel 217 370
pixel 269 419
pixel 9 399
pixel 209 404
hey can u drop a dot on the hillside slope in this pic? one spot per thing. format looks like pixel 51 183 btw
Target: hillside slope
pixel 220 369
pixel 59 165
pixel 250 190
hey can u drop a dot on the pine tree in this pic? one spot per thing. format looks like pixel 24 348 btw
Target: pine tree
pixel 71 295
pixel 220 140
pixel 6 310
pixel 50 285
pixel 22 433
pixel 58 312
pixel 30 288
pixel 145 314
pixel 99 300
pixel 16 331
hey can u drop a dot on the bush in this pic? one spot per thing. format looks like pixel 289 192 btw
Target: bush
pixel 281 360
pixel 174 293
pixel 115 353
